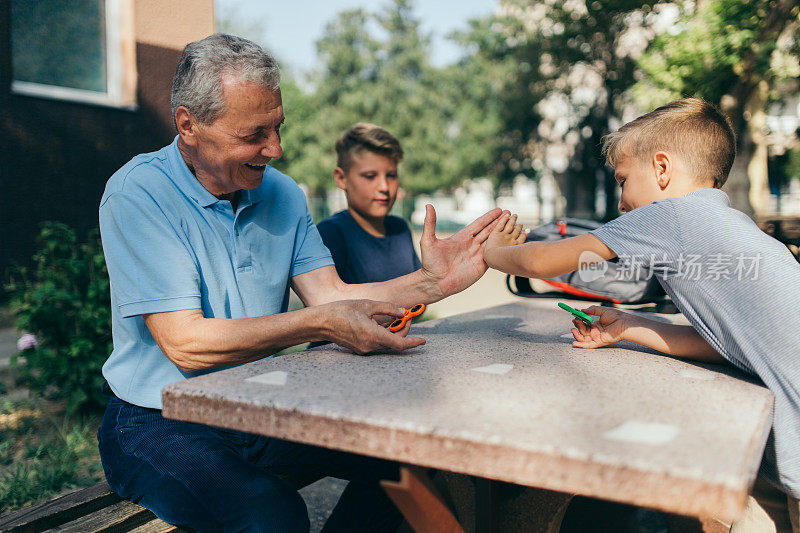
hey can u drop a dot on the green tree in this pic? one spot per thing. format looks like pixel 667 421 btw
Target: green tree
pixel 572 65
pixel 307 153
pixel 740 56
pixel 376 69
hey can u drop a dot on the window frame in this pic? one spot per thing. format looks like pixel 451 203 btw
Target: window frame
pixel 120 66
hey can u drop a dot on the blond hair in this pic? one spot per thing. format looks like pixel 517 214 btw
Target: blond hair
pixel 365 136
pixel 691 128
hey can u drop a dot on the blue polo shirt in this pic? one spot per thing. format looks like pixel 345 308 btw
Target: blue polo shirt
pixel 739 288
pixel 171 245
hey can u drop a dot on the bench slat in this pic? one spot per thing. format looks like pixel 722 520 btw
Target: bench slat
pixel 95 508
pixel 60 510
pixel 156 526
pixel 120 517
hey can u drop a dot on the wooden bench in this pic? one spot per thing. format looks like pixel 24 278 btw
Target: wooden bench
pixel 93 509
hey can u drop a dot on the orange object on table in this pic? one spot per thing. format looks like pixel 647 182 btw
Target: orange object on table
pixel 400 323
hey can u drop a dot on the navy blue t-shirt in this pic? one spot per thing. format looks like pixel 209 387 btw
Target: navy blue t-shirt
pixel 364 258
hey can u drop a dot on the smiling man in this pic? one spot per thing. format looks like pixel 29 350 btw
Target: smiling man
pixel 203 240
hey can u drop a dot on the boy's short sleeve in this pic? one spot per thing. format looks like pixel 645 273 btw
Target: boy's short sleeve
pixel 333 239
pixel 648 237
pixel 150 267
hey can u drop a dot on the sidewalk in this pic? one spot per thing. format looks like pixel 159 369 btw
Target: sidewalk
pixel 8 345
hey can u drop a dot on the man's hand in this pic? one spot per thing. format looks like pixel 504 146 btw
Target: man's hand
pixel 506 233
pixel 456 262
pixel 607 329
pixel 353 324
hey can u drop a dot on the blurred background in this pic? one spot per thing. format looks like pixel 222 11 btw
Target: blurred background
pixel 495 102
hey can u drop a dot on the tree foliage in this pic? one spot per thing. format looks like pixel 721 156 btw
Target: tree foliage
pixel 376 69
pixel 739 55
pixel 724 47
pixel 569 65
pixel 539 85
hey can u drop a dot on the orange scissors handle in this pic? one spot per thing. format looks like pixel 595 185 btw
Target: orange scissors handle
pixel 400 323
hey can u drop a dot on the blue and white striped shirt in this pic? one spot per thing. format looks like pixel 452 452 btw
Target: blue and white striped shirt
pixel 739 288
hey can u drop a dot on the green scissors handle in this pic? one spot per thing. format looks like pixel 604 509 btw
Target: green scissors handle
pixel 587 319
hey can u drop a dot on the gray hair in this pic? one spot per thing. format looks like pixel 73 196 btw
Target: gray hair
pixel 197 84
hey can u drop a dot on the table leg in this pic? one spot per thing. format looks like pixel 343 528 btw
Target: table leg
pixel 420 503
pixel 485 506
pixel 522 509
pixel 498 507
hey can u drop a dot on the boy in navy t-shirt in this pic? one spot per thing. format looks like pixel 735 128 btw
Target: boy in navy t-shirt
pixel 366 242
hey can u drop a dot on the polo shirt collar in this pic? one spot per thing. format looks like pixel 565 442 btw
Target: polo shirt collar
pixel 188 183
pixel 717 196
pixel 185 180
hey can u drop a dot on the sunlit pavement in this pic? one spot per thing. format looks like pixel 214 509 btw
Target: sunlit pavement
pixel 488 291
pixel 8 345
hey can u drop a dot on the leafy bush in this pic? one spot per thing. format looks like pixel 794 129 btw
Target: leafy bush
pixel 64 301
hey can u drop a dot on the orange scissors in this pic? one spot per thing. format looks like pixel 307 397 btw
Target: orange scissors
pixel 400 323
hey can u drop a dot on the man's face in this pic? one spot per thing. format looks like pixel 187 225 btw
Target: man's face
pixel 370 184
pixel 638 183
pixel 232 152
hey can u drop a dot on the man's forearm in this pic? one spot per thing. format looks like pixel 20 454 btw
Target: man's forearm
pixel 677 340
pixel 194 343
pixel 323 286
pixel 406 291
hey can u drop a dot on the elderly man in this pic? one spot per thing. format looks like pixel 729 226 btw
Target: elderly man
pixel 202 240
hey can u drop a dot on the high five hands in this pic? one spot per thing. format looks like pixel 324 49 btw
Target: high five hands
pixel 456 262
pixel 450 266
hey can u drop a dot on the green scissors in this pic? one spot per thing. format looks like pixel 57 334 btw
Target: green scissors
pixel 400 323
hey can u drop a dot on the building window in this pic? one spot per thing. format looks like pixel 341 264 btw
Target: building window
pixel 79 50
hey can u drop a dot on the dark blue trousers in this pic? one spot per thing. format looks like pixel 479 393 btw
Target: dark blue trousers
pixel 211 479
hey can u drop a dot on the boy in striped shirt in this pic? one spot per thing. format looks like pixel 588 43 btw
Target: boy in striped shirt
pixel 736 285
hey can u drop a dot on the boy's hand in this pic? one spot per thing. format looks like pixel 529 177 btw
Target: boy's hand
pixel 671 339
pixel 608 328
pixel 506 233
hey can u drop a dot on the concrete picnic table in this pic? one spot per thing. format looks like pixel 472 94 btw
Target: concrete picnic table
pixel 502 395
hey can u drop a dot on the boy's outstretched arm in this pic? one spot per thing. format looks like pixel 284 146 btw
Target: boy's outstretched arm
pixel 541 259
pixel 613 326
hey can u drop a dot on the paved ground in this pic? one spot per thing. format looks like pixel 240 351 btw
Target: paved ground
pixel 8 345
pixel 321 497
